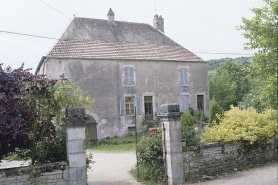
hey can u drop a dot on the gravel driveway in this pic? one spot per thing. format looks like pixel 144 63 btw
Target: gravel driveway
pixel 112 168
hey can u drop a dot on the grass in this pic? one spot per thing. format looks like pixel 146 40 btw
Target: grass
pixel 13 157
pixel 133 172
pixel 117 144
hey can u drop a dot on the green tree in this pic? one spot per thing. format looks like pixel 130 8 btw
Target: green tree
pixel 188 131
pixel 216 113
pixel 262 33
pixel 229 84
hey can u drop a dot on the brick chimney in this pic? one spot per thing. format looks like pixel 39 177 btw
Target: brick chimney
pixel 158 23
pixel 110 15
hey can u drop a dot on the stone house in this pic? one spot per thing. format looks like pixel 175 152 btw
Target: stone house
pixel 123 65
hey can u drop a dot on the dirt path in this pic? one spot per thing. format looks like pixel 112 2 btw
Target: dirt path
pixel 112 168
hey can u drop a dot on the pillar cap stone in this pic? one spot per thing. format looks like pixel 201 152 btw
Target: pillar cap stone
pixel 75 116
pixel 170 112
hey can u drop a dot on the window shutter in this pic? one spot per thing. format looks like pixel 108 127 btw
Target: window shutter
pixel 131 76
pixel 138 105
pixel 126 75
pixel 183 100
pixel 122 106
pixel 185 76
pixel 187 101
pixel 182 79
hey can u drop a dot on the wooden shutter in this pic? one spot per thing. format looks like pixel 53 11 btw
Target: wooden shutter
pixel 185 76
pixel 122 106
pixel 187 101
pixel 131 76
pixel 182 82
pixel 138 105
pixel 183 100
pixel 126 76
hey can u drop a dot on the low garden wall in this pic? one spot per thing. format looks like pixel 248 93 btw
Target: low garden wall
pixel 212 159
pixel 51 173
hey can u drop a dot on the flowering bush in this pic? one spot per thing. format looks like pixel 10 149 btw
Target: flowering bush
pixel 243 125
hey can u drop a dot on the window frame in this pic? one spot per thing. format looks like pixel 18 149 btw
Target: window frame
pixel 136 103
pixel 189 100
pixel 124 76
pixel 200 94
pixel 186 76
pixel 128 110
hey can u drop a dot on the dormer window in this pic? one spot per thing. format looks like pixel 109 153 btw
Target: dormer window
pixel 129 76
pixel 184 80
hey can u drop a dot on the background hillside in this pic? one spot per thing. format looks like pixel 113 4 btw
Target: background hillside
pixel 215 63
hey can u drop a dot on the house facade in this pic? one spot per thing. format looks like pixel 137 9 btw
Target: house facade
pixel 127 68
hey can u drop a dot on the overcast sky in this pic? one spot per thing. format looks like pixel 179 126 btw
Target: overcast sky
pixel 205 27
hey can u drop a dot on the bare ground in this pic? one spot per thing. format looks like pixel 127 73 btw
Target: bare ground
pixel 112 168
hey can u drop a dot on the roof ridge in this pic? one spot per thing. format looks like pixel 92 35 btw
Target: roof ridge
pixel 114 21
pixel 130 42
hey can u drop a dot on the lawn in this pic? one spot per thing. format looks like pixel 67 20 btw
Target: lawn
pixel 117 144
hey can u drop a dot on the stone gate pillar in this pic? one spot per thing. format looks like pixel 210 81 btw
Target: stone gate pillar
pixel 76 145
pixel 170 118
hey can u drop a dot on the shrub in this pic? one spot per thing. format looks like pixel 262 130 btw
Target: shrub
pixel 187 119
pixel 28 106
pixel 150 157
pixel 191 135
pixel 52 150
pixel 188 131
pixel 215 114
pixel 244 125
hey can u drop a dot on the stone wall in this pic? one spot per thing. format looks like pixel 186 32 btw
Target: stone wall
pixel 52 173
pixel 212 159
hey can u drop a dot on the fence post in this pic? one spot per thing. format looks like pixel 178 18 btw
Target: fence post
pixel 76 145
pixel 170 117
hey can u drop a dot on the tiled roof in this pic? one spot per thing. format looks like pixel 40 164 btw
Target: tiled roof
pixel 123 40
pixel 121 50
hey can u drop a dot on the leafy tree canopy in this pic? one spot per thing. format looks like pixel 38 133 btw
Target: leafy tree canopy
pixel 262 33
pixel 229 84
pixel 28 105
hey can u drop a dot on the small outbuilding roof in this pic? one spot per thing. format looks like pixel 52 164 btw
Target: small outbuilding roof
pixel 97 38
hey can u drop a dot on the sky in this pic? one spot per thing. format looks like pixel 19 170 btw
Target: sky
pixel 205 27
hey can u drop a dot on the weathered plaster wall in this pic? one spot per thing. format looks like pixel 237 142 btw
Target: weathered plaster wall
pixel 52 173
pixel 218 158
pixel 104 82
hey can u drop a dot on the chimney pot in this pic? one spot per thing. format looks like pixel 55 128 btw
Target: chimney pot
pixel 158 23
pixel 110 15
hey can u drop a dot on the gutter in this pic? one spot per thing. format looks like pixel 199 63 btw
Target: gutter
pixel 122 59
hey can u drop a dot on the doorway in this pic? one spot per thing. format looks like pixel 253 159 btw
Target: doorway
pixel 92 129
pixel 200 102
pixel 148 104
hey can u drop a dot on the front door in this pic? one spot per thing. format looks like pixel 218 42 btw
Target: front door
pixel 148 102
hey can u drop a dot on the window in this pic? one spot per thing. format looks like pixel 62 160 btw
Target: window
pixel 200 102
pixel 148 103
pixel 129 76
pixel 185 101
pixel 127 105
pixel 184 76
